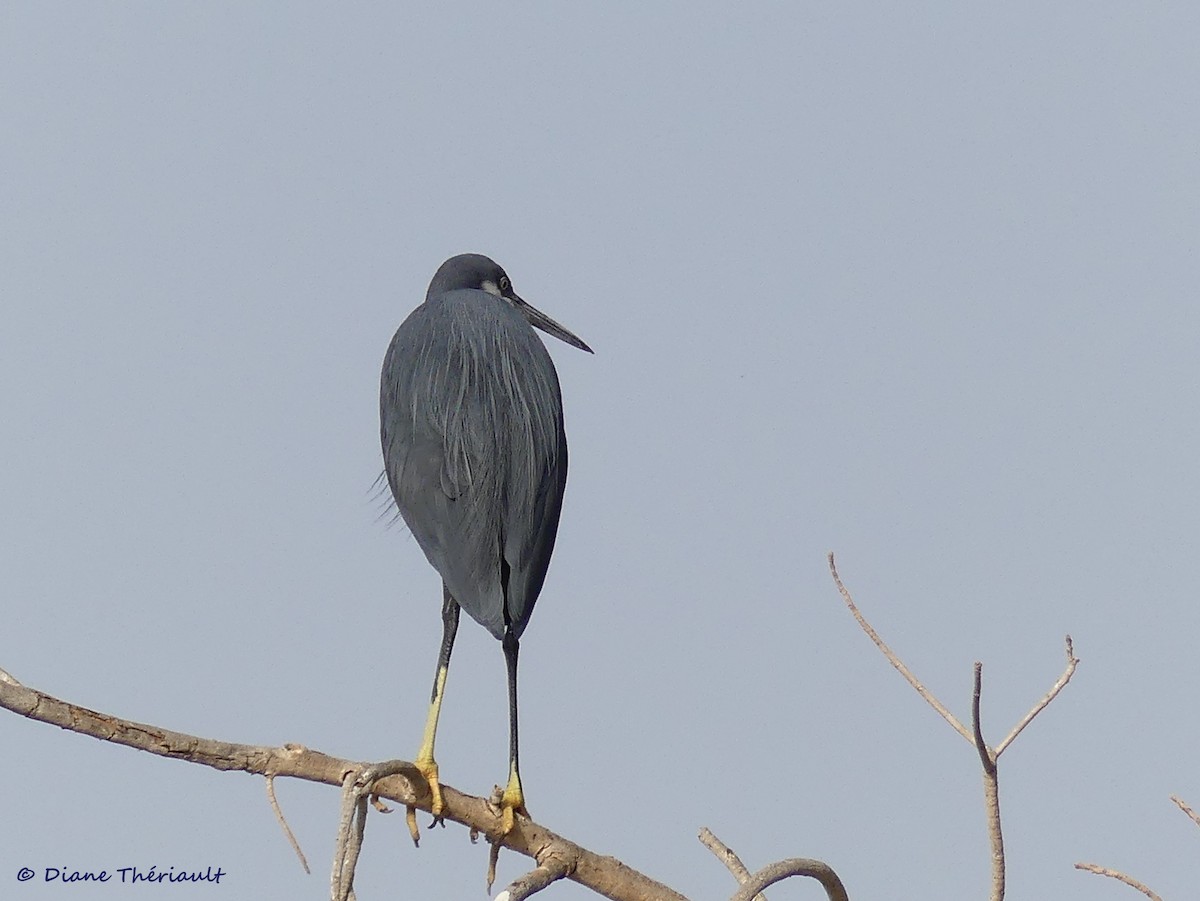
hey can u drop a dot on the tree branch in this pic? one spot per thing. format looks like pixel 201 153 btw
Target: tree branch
pixel 606 876
pixel 794 866
pixel 752 885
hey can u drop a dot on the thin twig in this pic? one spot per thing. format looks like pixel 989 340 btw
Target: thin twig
pixel 991 789
pixel 795 866
pixel 1191 813
pixel 5 677
pixel 1120 877
pixel 896 661
pixel 726 855
pixel 1072 662
pixel 287 830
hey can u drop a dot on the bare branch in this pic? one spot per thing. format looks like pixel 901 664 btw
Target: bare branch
pixel 287 830
pixel 896 661
pixel 1072 662
pixel 1191 813
pixel 991 789
pixel 1120 877
pixel 603 875
pixel 795 866
pixel 726 855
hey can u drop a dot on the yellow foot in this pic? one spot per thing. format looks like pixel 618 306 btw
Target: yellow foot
pixel 511 802
pixel 429 769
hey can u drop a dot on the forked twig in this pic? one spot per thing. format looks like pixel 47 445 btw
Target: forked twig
pixel 987 756
pixel 1120 877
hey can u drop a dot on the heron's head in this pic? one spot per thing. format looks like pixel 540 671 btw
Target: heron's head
pixel 474 271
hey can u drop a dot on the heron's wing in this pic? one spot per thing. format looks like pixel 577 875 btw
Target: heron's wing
pixel 474 451
pixel 536 477
pixel 437 480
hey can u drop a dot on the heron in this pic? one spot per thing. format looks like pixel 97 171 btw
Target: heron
pixel 475 454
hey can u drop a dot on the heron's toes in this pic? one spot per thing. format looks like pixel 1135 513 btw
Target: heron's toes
pixel 512 802
pixel 429 769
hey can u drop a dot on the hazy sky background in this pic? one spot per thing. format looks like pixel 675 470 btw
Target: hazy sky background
pixel 915 283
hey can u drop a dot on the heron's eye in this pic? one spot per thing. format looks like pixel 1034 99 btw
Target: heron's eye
pixel 505 284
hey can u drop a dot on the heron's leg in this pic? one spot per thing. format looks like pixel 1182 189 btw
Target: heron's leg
pixel 425 762
pixel 513 799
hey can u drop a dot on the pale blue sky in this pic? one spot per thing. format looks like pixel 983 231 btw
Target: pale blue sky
pixel 912 283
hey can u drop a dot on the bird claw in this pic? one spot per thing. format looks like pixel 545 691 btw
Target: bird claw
pixel 511 802
pixel 429 769
pixel 507 820
pixel 378 804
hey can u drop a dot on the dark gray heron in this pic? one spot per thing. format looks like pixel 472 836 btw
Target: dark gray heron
pixel 475 454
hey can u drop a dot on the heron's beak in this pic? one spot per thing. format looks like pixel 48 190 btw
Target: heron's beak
pixel 538 319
